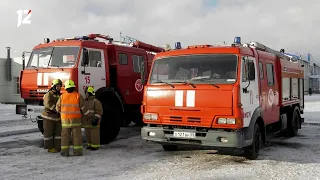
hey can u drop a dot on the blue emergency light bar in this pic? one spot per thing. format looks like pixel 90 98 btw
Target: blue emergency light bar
pixel 177 45
pixel 237 40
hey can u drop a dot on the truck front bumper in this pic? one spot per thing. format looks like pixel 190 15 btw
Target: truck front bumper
pixel 212 138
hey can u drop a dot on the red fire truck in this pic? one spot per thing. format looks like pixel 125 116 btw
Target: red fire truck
pixel 115 69
pixel 222 97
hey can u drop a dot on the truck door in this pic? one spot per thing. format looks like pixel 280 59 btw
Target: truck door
pixel 249 89
pixel 269 92
pixel 95 72
pixel 137 86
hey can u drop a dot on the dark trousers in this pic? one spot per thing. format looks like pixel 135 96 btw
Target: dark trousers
pixel 52 134
pixel 76 140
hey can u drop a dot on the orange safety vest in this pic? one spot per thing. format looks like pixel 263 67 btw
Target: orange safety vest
pixel 70 106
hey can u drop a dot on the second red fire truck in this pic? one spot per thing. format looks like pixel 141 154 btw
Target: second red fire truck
pixel 222 97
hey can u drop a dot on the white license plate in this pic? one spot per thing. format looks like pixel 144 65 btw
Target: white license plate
pixel 42 90
pixel 184 134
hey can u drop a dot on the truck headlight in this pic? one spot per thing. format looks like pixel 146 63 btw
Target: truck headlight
pixel 226 121
pixel 150 116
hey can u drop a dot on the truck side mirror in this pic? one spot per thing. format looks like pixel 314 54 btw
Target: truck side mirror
pixel 251 71
pixel 142 73
pixel 23 61
pixel 85 57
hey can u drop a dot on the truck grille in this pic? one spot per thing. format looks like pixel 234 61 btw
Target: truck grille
pixel 194 119
pixel 176 118
pixel 34 93
pixel 189 119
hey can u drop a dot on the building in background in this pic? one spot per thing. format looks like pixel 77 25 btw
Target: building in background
pixel 311 71
pixel 9 80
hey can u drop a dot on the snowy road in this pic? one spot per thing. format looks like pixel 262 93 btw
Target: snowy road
pixel 12 124
pixel 21 157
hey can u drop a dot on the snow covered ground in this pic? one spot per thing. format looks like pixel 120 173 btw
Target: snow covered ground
pixel 129 157
pixel 11 124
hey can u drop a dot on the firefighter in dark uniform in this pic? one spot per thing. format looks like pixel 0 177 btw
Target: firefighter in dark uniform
pixel 51 118
pixel 91 122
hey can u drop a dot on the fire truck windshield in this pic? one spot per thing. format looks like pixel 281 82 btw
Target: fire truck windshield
pixel 196 69
pixel 53 57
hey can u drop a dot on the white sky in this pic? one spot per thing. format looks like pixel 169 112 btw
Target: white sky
pixel 290 24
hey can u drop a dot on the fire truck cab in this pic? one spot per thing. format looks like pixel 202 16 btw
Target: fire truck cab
pixel 221 97
pixel 116 70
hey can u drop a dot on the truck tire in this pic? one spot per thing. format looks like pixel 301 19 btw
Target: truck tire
pixel 169 147
pixel 252 152
pixel 111 119
pixel 293 123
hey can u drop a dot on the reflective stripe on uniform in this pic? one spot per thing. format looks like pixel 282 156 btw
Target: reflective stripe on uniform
pixel 57 137
pixel 77 147
pixel 47 138
pixel 70 106
pixel 95 145
pixel 86 113
pixel 92 111
pixel 49 118
pixel 52 107
pixel 97 115
pixel 65 147
pixel 70 112
pixel 70 125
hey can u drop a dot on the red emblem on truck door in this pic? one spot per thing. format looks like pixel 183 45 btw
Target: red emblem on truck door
pixel 138 85
pixel 270 97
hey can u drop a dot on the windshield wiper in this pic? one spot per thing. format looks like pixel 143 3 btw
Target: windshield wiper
pixel 185 82
pixel 165 83
pixel 202 80
pixel 56 66
pixel 34 67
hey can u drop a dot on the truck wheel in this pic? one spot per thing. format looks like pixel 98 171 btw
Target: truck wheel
pixel 111 119
pixel 293 123
pixel 252 152
pixel 170 147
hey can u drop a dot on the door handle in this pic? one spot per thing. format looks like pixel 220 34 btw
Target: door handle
pixel 103 78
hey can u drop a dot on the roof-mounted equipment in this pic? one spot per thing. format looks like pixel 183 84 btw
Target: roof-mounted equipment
pixel 280 53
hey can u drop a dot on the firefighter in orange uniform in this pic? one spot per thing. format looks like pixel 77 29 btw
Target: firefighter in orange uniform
pixel 71 106
pixel 91 122
pixel 51 118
